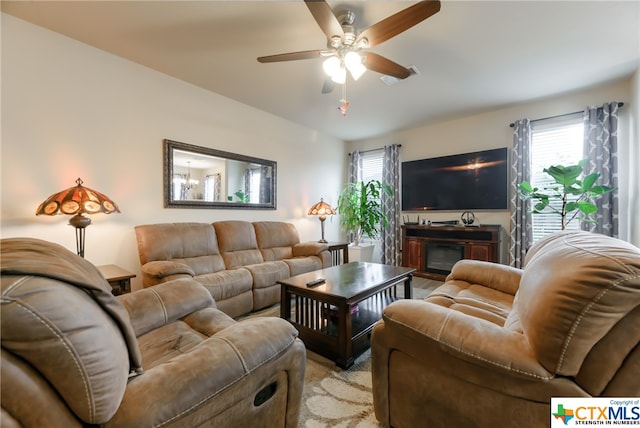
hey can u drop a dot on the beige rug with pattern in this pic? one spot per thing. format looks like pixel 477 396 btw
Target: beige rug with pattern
pixel 337 398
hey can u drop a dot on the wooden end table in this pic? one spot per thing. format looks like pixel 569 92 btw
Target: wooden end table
pixel 339 252
pixel 335 318
pixel 118 278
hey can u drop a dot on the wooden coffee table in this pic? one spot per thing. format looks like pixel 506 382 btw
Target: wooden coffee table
pixel 335 318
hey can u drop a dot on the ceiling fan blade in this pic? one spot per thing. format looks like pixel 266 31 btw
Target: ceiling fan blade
pixel 328 85
pixel 380 64
pixel 325 18
pixel 399 22
pixel 291 56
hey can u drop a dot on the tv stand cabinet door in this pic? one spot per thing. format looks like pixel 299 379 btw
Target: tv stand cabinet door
pixel 481 251
pixel 412 255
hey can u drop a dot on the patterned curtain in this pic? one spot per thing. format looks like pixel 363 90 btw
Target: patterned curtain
pixel 247 184
pixel 391 205
pixel 601 147
pixel 265 184
pixel 355 167
pixel 179 190
pixel 521 234
pixel 355 173
pixel 212 187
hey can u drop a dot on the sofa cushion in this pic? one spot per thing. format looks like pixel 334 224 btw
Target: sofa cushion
pixel 275 239
pixel 19 379
pixel 203 368
pixel 480 289
pixel 237 243
pixel 473 299
pixel 227 283
pixel 576 286
pixel 300 265
pixel 54 326
pixel 156 306
pixel 268 273
pixel 192 244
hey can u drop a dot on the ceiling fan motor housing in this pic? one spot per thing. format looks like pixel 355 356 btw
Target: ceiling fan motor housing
pixel 345 17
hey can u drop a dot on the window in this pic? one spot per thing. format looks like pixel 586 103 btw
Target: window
pixel 254 185
pixel 553 142
pixel 372 165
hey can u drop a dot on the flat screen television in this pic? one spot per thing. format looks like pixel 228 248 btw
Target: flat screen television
pixel 468 181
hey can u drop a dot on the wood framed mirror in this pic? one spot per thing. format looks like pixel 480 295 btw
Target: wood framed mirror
pixel 201 177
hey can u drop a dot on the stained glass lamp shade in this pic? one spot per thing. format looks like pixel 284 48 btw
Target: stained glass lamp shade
pixel 321 209
pixel 76 201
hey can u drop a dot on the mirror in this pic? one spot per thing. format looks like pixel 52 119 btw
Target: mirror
pixel 200 177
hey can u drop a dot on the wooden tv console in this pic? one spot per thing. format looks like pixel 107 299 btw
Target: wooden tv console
pixel 454 242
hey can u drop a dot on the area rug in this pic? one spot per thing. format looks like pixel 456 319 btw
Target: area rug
pixel 338 398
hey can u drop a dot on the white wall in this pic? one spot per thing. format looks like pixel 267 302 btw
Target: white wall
pixel 491 129
pixel 70 110
pixel 633 160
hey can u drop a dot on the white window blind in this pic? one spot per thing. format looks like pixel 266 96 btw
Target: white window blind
pixel 372 165
pixel 557 141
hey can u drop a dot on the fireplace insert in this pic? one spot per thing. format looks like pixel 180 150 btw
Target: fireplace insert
pixel 441 256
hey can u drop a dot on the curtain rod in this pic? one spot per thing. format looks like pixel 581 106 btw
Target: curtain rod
pixel 512 124
pixel 375 150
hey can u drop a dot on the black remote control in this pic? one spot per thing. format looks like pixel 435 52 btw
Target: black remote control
pixel 315 282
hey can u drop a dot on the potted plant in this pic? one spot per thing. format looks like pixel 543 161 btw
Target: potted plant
pixel 574 195
pixel 360 209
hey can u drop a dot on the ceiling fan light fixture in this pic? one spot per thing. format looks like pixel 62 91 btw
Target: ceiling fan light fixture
pixel 353 62
pixel 352 59
pixel 340 77
pixel 357 71
pixel 331 66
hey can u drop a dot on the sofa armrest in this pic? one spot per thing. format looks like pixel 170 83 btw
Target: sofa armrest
pixel 164 303
pixel 160 269
pixel 482 343
pixel 303 249
pixel 494 275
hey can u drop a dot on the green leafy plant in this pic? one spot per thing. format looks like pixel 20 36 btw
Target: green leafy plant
pixel 242 197
pixel 360 209
pixel 575 194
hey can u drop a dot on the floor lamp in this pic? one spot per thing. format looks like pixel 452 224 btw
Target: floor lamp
pixel 76 201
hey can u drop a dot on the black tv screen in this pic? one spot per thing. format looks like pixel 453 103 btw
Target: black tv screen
pixel 469 181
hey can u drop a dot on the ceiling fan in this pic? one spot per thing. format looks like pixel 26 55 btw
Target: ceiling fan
pixel 346 45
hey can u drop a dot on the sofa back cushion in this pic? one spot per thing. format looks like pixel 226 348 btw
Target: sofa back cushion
pixel 237 243
pixel 276 239
pixel 61 332
pixel 193 244
pixel 575 288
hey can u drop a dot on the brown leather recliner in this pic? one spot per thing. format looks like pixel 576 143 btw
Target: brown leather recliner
pixel 74 355
pixel 493 344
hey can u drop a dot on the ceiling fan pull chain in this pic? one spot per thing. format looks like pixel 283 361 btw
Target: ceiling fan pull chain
pixel 344 103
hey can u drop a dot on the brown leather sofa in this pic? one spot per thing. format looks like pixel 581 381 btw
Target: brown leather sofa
pixel 493 344
pixel 237 261
pixel 73 355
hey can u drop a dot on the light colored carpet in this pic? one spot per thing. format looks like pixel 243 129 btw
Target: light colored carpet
pixel 334 397
pixel 338 398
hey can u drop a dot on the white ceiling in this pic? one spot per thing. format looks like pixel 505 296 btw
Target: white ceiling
pixel 472 55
